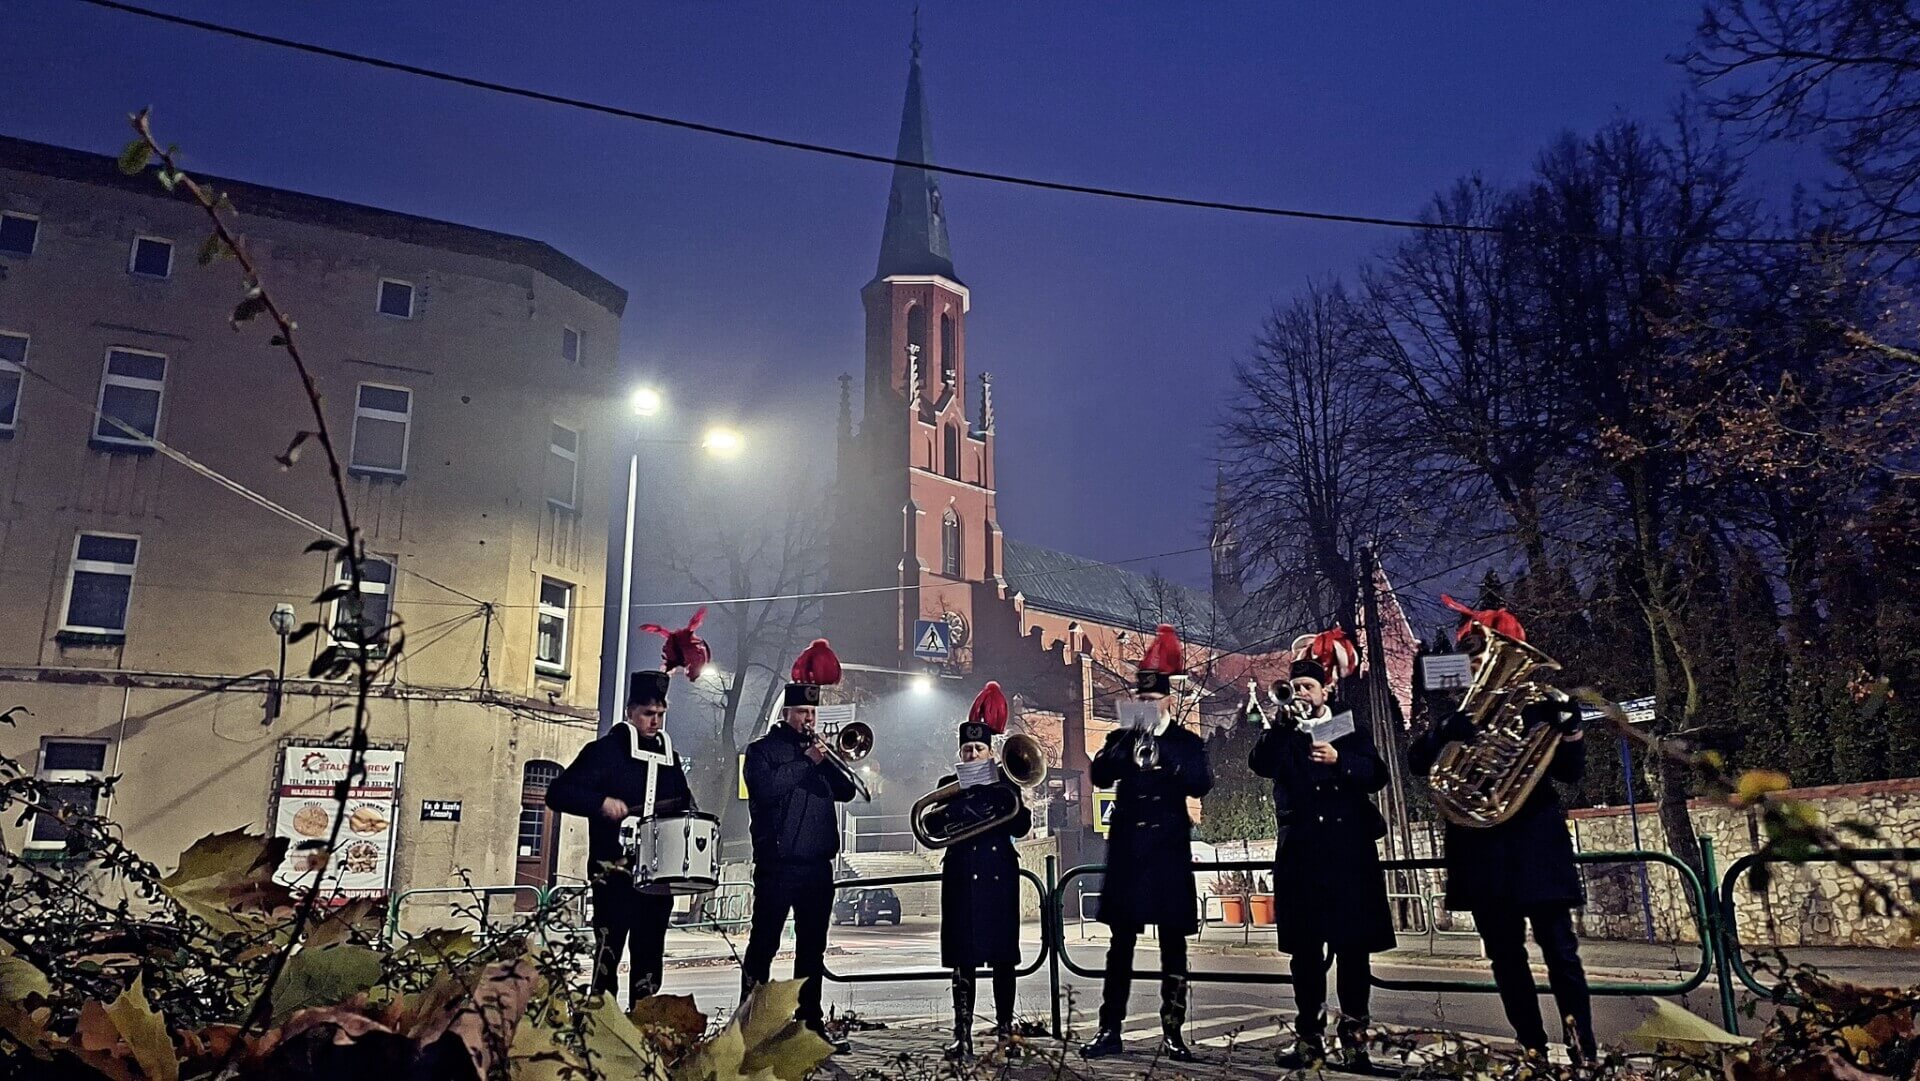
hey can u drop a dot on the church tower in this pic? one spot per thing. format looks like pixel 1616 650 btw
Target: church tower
pixel 914 488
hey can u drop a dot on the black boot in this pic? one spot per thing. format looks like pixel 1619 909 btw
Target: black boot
pixel 962 1045
pixel 1105 1042
pixel 1113 1007
pixel 1173 1018
pixel 839 1045
pixel 1352 1054
pixel 1009 1046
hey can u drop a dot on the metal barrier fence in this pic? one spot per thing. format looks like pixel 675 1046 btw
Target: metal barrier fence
pixel 1714 920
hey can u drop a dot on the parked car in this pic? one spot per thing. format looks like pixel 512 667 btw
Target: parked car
pixel 866 906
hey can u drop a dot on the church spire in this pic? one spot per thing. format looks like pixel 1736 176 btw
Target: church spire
pixel 915 239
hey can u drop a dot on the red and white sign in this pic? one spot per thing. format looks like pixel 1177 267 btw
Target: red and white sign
pixel 305 810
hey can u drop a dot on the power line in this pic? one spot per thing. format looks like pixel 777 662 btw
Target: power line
pixel 1124 194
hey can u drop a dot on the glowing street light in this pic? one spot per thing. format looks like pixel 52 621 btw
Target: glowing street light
pixel 723 442
pixel 646 402
pixel 923 684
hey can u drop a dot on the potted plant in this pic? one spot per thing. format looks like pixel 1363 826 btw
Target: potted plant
pixel 1232 888
pixel 1260 905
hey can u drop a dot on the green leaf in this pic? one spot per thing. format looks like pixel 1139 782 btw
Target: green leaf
pixel 169 178
pixel 145 1033
pixel 439 946
pixel 135 157
pixel 212 248
pixel 325 661
pixel 226 879
pixel 325 976
pixel 324 544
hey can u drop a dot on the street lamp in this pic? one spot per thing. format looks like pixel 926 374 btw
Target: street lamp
pixel 281 620
pixel 720 442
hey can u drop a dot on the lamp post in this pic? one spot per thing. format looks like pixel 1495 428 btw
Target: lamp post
pixel 281 620
pixel 718 441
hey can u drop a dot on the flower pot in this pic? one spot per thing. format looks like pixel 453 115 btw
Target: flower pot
pixel 1262 906
pixel 1233 911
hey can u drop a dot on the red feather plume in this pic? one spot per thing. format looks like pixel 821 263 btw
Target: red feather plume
pixel 1163 653
pixel 1332 650
pixel 990 708
pixel 683 648
pixel 817 664
pixel 1498 620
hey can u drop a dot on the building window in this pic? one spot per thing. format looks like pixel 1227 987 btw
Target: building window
pixel 152 257
pixel 950 465
pixel 556 605
pixel 570 345
pixel 396 298
pixel 535 779
pixel 99 583
pixel 130 394
pixel 563 466
pixel 72 771
pixel 382 418
pixel 18 232
pixel 951 556
pixel 13 364
pixel 949 356
pixel 363 616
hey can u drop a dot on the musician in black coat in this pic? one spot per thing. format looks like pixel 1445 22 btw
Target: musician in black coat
pixel 980 883
pixel 632 771
pixel 1330 896
pixel 1521 871
pixel 1149 875
pixel 792 795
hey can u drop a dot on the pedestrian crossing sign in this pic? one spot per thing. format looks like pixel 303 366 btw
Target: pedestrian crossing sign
pixel 932 639
pixel 1102 810
pixel 743 776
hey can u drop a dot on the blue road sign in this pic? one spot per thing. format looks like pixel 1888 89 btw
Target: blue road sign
pixel 932 639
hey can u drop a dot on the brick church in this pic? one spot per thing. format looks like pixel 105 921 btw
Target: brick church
pixel 917 537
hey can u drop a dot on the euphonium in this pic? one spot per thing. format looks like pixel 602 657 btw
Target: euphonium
pixel 1484 781
pixel 951 814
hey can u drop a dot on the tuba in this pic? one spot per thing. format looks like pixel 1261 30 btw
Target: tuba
pixel 1484 781
pixel 951 814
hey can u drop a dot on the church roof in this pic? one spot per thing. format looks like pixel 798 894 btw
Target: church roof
pixel 915 239
pixel 1082 588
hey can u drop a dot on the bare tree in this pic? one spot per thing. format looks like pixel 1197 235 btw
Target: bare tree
pixel 760 575
pixel 1843 71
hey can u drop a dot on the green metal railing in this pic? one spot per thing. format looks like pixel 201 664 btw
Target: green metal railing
pixel 887 975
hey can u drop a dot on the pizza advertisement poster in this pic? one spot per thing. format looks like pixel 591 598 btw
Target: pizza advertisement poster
pixel 304 810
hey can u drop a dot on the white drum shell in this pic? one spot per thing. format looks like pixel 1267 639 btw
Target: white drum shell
pixel 673 853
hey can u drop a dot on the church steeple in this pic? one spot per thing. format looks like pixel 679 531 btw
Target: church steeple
pixel 915 240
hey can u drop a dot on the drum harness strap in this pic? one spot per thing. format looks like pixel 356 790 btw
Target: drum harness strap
pixel 654 761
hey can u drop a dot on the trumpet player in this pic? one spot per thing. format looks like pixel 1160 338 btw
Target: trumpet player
pixel 980 883
pixel 1149 879
pixel 1330 895
pixel 1520 871
pixel 792 787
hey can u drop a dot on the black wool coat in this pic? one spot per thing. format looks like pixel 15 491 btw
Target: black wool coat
pixel 1524 862
pixel 1327 882
pixel 980 893
pixel 790 800
pixel 1149 876
pixel 606 768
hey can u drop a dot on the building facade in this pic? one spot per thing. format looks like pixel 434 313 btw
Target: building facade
pixel 147 531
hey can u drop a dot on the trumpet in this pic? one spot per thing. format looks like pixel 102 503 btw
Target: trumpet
pixel 852 743
pixel 951 814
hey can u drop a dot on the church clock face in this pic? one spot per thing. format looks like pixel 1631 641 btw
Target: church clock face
pixel 957 628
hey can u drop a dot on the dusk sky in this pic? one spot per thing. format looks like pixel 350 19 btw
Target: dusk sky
pixel 1110 327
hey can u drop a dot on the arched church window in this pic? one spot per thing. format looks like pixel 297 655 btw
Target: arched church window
pixel 952 557
pixel 917 344
pixel 950 464
pixel 948 358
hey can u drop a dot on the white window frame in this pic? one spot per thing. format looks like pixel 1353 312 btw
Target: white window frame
pixel 107 378
pixel 405 421
pixel 579 345
pixel 20 370
pixel 542 610
pixel 35 219
pixel 133 256
pixel 368 588
pixel 380 296
pixel 572 457
pixel 75 565
pixel 66 776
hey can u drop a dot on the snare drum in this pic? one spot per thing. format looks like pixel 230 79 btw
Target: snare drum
pixel 673 853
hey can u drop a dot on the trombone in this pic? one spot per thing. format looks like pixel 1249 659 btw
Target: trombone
pixel 852 743
pixel 951 814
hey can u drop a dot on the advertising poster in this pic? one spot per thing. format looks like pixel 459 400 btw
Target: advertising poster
pixel 304 812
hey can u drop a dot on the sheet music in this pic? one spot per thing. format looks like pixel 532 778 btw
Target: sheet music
pixel 1332 728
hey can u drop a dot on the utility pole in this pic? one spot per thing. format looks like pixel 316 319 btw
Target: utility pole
pixel 1388 736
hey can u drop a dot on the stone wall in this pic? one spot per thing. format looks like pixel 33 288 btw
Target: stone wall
pixel 1812 904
